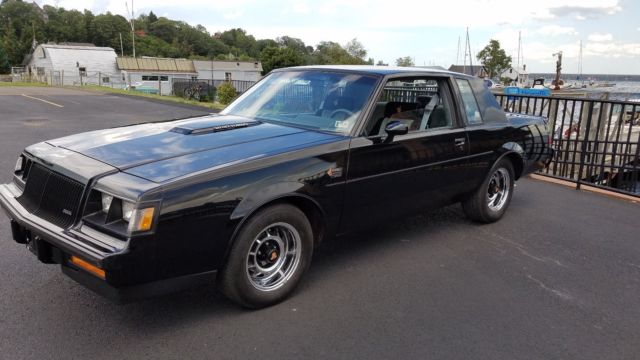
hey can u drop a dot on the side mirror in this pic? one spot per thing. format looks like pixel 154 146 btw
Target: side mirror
pixel 395 128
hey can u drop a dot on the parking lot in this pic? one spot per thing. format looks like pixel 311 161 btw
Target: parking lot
pixel 557 278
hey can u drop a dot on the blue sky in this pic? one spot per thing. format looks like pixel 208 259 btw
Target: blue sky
pixel 427 31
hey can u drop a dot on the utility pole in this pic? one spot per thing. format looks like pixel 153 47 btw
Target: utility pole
pixel 121 47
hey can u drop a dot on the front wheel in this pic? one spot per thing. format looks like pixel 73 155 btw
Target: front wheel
pixel 492 198
pixel 268 257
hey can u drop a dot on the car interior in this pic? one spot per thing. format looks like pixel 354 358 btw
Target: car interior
pixel 421 104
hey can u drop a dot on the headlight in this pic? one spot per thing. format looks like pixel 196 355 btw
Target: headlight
pixel 137 219
pixel 19 164
pixel 127 210
pixel 106 202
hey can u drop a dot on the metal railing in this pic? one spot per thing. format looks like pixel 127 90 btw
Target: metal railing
pixel 597 141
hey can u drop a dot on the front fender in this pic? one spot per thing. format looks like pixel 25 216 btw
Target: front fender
pixel 264 195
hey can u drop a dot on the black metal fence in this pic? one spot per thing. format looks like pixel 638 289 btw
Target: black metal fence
pixel 597 142
pixel 205 90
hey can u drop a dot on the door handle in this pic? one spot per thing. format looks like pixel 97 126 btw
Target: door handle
pixel 460 141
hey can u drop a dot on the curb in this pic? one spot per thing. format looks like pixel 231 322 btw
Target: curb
pixel 586 188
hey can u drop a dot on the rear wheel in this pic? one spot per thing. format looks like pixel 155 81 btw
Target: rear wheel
pixel 268 257
pixel 492 198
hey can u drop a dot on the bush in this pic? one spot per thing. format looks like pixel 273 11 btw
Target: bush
pixel 226 93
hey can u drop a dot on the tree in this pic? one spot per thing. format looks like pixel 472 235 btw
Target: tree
pixel 226 93
pixel 356 49
pixel 151 18
pixel 494 59
pixel 274 58
pixel 404 61
pixel 381 63
pixel 5 67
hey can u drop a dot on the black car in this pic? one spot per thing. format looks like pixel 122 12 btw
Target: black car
pixel 306 154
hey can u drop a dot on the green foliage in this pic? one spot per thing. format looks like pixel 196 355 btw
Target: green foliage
pixel 226 93
pixel 5 68
pixel 21 21
pixel 494 59
pixel 404 61
pixel 329 52
pixel 277 57
pixel 356 49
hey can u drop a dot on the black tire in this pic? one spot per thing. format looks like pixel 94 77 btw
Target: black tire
pixel 249 258
pixel 479 206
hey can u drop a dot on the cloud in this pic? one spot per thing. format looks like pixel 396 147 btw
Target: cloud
pixel 596 37
pixel 555 30
pixel 582 12
pixel 233 15
pixel 612 50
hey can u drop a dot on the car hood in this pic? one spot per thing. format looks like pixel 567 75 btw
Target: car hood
pixel 162 151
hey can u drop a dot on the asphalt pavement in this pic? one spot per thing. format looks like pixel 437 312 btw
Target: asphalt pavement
pixel 557 278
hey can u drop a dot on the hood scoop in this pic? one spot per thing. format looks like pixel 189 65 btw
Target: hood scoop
pixel 191 130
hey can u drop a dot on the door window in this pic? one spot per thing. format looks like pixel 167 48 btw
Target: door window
pixel 421 103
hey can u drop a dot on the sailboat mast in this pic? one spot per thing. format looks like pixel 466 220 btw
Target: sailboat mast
pixel 458 52
pixel 470 56
pixel 519 49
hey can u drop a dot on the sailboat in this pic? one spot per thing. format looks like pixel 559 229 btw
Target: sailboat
pixel 591 84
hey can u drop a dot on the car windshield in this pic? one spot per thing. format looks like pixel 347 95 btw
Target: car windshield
pixel 329 101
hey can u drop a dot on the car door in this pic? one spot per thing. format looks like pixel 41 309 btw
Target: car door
pixel 413 172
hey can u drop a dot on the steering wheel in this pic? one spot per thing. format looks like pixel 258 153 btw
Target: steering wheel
pixel 346 113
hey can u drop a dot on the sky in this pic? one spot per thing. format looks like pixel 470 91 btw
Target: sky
pixel 428 31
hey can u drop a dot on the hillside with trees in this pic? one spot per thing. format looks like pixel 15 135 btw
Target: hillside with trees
pixel 21 22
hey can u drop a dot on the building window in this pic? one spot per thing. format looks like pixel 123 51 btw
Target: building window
pixel 105 79
pixel 154 78
pixel 227 76
pixel 40 71
pixel 83 71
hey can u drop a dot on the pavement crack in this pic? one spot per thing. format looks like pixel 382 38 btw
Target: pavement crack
pixel 522 250
pixel 558 293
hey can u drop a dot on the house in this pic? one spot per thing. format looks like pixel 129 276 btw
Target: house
pixel 70 64
pixel 155 74
pixel 473 70
pixel 228 70
pixel 518 77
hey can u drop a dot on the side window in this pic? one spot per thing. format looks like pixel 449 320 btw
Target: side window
pixel 421 103
pixel 469 102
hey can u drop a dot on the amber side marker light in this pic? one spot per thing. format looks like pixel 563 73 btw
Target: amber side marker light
pixel 88 267
pixel 142 220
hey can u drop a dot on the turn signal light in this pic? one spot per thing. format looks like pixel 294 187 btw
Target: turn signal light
pixel 141 220
pixel 88 267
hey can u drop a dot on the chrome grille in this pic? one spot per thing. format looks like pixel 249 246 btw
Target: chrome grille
pixel 51 196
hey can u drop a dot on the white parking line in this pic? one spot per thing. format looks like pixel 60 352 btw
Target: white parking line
pixel 48 102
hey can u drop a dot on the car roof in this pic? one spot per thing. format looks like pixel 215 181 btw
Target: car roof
pixel 375 70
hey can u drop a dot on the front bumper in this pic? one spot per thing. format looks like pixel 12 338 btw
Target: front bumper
pixel 128 276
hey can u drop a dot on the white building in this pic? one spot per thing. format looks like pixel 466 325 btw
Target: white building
pixel 155 74
pixel 228 70
pixel 71 64
pixel 518 77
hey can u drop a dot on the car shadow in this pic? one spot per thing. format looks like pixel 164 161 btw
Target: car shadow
pixel 206 302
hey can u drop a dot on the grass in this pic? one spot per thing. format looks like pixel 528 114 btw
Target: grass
pixel 174 99
pixel 38 84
